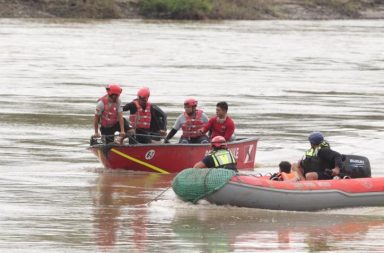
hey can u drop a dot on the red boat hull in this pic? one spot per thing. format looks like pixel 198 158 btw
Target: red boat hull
pixel 169 158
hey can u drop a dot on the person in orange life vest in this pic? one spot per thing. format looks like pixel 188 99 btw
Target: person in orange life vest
pixel 221 124
pixel 146 118
pixel 220 156
pixel 190 122
pixel 109 114
pixel 285 173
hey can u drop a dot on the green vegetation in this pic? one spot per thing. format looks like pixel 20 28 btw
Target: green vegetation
pixel 254 9
pixel 246 9
pixel 349 8
pixel 175 9
pixel 202 9
pixel 243 9
pixel 194 9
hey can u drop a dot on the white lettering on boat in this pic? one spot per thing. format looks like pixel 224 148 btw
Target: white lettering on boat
pixel 150 154
pixel 356 161
pixel 248 157
pixel 235 152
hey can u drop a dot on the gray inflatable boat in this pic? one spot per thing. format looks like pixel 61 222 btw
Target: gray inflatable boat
pixel 260 192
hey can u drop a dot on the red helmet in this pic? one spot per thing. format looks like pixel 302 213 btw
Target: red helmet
pixel 143 93
pixel 113 89
pixel 191 102
pixel 218 142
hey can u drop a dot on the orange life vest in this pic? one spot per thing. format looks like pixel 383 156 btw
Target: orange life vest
pixel 142 118
pixel 192 125
pixel 293 176
pixel 109 116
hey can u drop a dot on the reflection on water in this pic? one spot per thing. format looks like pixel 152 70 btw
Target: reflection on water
pixel 240 230
pixel 120 204
pixel 123 218
pixel 282 80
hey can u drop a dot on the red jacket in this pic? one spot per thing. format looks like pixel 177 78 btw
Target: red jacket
pixel 225 129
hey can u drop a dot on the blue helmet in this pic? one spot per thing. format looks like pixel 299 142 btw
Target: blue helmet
pixel 316 138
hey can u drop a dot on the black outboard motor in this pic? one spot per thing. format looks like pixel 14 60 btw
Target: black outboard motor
pixel 355 166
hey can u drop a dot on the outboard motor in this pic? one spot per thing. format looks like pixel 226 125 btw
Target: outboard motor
pixel 355 166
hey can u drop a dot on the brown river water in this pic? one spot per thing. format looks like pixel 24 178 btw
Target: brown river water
pixel 282 80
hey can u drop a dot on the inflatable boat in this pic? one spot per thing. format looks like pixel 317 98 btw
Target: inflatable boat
pixel 225 187
pixel 260 192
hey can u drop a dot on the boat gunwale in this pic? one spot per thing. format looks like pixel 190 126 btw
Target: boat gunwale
pixel 306 191
pixel 114 145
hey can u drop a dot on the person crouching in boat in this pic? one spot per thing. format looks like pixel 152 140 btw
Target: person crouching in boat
pixel 285 173
pixel 147 119
pixel 220 156
pixel 109 114
pixel 320 161
pixel 190 122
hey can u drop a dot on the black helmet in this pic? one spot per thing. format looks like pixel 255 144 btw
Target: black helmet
pixel 316 138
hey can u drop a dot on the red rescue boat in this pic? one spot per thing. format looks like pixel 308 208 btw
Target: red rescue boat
pixel 169 158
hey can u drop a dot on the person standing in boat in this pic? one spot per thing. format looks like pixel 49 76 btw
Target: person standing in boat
pixel 190 122
pixel 110 117
pixel 220 156
pixel 320 161
pixel 148 120
pixel 221 124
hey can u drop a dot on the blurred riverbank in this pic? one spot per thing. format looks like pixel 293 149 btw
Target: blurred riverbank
pixel 194 9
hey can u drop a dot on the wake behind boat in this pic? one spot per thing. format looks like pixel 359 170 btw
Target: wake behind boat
pixel 169 158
